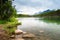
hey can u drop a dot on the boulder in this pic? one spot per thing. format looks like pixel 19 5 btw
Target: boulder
pixel 19 39
pixel 28 35
pixel 17 32
pixel 13 36
pixel 24 32
pixel 41 31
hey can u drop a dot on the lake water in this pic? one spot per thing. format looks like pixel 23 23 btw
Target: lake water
pixel 41 28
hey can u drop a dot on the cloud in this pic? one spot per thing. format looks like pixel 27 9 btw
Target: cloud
pixel 32 6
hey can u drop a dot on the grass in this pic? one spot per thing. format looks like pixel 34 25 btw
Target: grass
pixel 10 25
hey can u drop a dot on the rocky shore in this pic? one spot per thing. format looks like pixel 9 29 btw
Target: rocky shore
pixel 20 35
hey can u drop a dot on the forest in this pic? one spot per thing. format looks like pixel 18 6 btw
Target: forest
pixel 50 14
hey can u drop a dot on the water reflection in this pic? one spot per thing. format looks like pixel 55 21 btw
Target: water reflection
pixel 48 28
pixel 52 21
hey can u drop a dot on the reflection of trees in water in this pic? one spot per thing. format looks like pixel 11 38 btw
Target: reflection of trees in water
pixel 51 20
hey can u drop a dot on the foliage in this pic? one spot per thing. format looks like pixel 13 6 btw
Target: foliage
pixel 6 10
pixel 11 25
pixel 7 16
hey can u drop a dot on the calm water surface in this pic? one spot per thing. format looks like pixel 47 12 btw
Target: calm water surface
pixel 40 27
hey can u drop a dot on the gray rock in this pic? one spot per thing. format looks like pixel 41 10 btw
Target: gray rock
pixel 13 36
pixel 19 39
pixel 28 35
pixel 17 32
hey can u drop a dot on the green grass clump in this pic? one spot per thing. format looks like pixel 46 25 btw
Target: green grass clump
pixel 10 25
pixel 2 21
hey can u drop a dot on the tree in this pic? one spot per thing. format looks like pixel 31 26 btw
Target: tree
pixel 6 10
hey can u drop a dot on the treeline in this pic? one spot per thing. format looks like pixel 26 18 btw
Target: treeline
pixel 51 14
pixel 6 9
pixel 23 15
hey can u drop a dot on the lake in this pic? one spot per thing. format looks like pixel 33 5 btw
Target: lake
pixel 43 29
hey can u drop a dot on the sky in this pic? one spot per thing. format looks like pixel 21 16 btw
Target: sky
pixel 34 6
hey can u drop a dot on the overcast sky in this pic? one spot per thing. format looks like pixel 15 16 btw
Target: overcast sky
pixel 33 6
